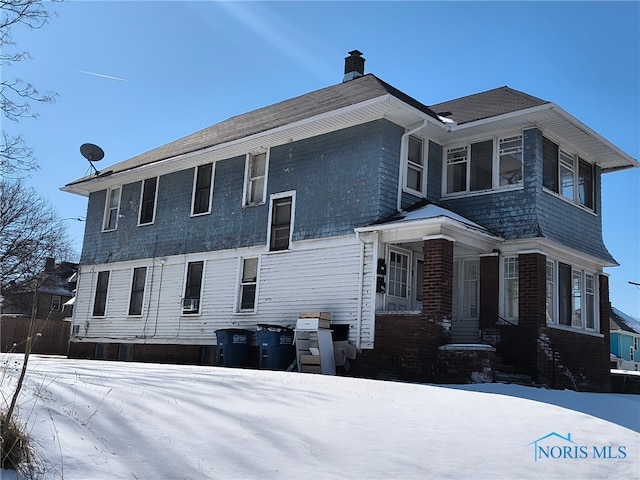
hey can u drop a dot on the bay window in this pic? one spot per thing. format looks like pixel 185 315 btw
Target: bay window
pixel 571 297
pixel 567 174
pixel 485 165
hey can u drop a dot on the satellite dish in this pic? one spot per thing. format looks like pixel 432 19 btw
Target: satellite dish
pixel 92 153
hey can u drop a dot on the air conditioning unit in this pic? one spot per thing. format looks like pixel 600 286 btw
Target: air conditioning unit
pixel 190 304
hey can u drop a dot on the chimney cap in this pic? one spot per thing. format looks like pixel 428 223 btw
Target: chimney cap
pixel 353 65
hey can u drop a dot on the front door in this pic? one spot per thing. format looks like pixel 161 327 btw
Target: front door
pixel 398 285
pixel 465 325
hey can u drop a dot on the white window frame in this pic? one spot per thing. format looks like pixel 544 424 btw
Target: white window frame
pixel 108 208
pixel 95 294
pixel 155 201
pixel 184 288
pixel 420 168
pixel 503 290
pixel 570 160
pixel 56 303
pixel 405 253
pixel 241 283
pixel 272 198
pixel 195 184
pixel 580 325
pixel 144 291
pixel 464 157
pixel 248 179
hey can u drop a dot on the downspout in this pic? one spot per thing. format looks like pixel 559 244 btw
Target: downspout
pixel 360 289
pixel 404 145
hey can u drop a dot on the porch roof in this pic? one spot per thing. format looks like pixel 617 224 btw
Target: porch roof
pixel 430 220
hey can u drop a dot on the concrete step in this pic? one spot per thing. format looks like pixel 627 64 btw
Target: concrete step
pixel 512 377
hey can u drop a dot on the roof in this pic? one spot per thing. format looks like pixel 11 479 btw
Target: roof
pixel 273 116
pixel 491 103
pixel 467 113
pixel 624 322
pixel 432 211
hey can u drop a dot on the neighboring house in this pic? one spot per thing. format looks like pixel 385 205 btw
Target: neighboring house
pixel 625 340
pixel 55 287
pixel 474 220
pixel 55 284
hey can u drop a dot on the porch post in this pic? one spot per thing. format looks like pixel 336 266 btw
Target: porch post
pixel 438 281
pixel 532 298
pixel 489 289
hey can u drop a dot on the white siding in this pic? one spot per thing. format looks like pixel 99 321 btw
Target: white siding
pixel 318 275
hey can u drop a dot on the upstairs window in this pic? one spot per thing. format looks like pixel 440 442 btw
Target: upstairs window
pixel 281 223
pixel 248 285
pixel 137 290
pixel 255 183
pixel 56 303
pixel 202 189
pixel 112 209
pixel 568 175
pixel 510 157
pixel 148 201
pixel 100 300
pixel 414 180
pixel 193 288
pixel 481 166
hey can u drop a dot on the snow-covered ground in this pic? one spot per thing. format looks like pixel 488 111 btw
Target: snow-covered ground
pixel 111 420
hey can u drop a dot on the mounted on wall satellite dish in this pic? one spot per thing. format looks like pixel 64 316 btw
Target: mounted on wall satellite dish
pixel 93 153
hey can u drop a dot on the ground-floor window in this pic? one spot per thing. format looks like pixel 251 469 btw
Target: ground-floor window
pixel 510 288
pixel 571 296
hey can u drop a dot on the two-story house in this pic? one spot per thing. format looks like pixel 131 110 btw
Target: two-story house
pixel 472 221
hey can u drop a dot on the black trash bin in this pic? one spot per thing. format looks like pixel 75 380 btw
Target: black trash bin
pixel 275 345
pixel 233 347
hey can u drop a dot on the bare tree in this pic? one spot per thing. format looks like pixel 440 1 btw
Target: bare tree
pixel 17 95
pixel 30 232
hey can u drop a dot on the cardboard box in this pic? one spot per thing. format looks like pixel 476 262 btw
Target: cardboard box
pixel 322 315
pixel 310 359
pixel 308 323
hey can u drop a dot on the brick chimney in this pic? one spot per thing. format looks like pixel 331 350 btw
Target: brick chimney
pixel 50 264
pixel 353 65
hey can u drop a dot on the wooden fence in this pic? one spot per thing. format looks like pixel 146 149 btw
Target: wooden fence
pixel 53 338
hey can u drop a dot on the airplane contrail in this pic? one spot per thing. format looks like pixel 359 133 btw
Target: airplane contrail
pixel 102 75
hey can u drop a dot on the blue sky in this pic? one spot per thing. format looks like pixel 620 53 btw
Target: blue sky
pixel 182 66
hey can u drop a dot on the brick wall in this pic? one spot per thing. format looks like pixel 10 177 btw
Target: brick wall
pixel 178 354
pixel 438 280
pixel 575 360
pixel 466 364
pixel 406 349
pixel 489 290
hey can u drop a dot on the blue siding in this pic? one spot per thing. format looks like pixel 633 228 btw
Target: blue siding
pixel 434 172
pixel 534 212
pixel 342 180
